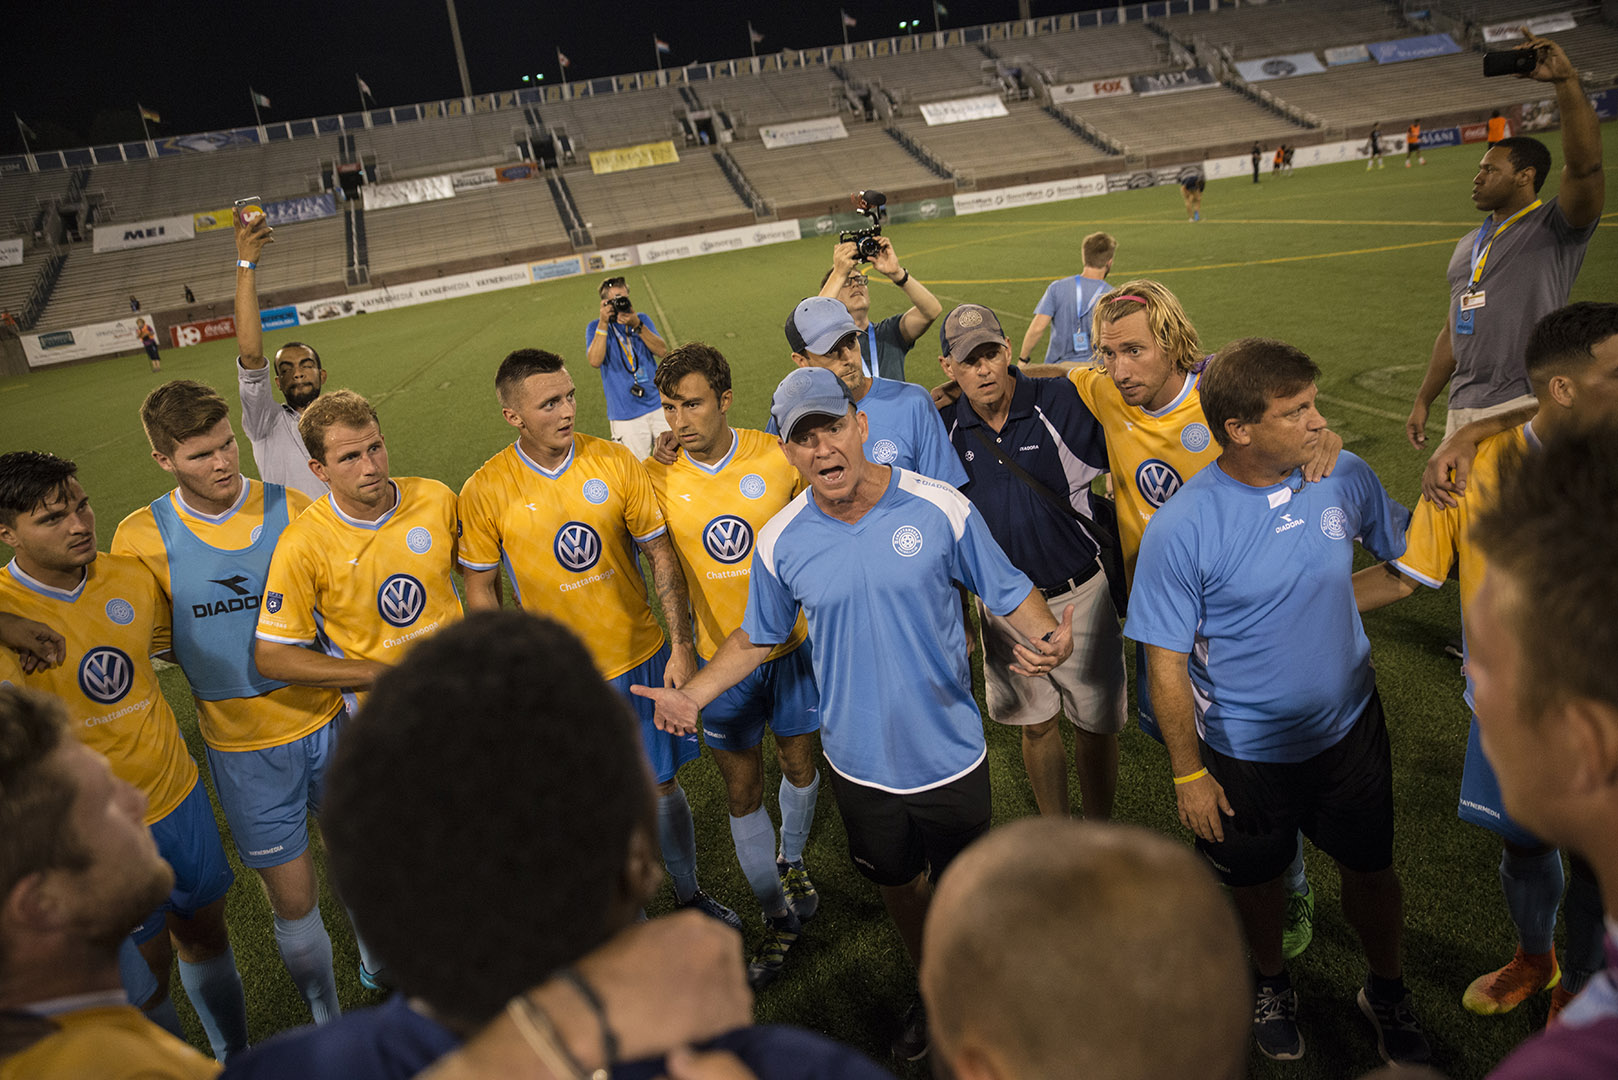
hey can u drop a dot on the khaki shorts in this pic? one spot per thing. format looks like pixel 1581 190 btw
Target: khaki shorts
pixel 1459 418
pixel 638 434
pixel 1089 686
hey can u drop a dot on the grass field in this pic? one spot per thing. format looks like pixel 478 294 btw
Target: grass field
pixel 1347 265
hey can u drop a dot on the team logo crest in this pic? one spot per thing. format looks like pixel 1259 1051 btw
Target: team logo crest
pixel 1334 523
pixel 419 540
pixel 121 612
pixel 752 485
pixel 970 455
pixel 1156 480
pixel 272 602
pixel 105 675
pixel 728 538
pixel 884 451
pixel 578 547
pixel 258 531
pixel 596 491
pixel 400 600
pixel 907 540
pixel 1195 437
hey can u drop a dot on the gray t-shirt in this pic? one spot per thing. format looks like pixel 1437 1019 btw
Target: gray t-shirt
pixel 272 428
pixel 1528 275
pixel 891 348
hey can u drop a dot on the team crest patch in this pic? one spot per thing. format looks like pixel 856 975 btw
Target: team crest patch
pixel 884 451
pixel 419 540
pixel 258 531
pixel 907 540
pixel 272 602
pixel 970 319
pixel 752 485
pixel 596 491
pixel 121 612
pixel 970 455
pixel 1334 523
pixel 1195 437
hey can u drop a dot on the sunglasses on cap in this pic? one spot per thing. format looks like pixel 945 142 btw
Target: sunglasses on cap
pixel 610 282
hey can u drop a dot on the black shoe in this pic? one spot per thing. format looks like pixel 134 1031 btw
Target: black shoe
pixel 780 934
pixel 912 1042
pixel 701 901
pixel 1275 1022
pixel 1399 1038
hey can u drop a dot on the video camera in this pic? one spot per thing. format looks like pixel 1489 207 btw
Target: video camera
pixel 873 205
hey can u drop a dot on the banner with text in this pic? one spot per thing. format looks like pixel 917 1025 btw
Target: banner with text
pixel 1413 48
pixel 407 192
pixel 278 318
pixel 505 174
pixel 11 252
pixel 205 141
pixel 978 202
pixel 642 156
pixel 98 339
pixel 305 208
pixel 1347 54
pixel 748 236
pixel 572 266
pixel 473 179
pixel 898 213
pixel 1172 82
pixel 962 109
pixel 609 259
pixel 1145 178
pixel 195 333
pixel 1280 67
pixel 210 220
pixel 1542 24
pixel 1096 88
pixel 138 234
pixel 802 131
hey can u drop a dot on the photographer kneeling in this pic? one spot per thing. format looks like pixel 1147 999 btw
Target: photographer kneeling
pixel 624 345
pixel 883 344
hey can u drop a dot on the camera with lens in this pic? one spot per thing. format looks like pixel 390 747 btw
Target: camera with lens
pixel 873 206
pixel 622 305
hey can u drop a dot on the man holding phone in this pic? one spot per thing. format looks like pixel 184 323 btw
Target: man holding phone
pixel 625 347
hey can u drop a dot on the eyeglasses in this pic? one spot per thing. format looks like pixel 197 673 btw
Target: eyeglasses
pixel 854 281
pixel 612 282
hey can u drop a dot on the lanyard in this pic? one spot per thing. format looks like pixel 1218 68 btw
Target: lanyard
pixel 872 369
pixel 626 348
pixel 1480 250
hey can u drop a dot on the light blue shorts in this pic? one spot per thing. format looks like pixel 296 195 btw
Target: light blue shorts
pixel 188 838
pixel 268 795
pixel 781 692
pixel 665 752
pixel 1480 796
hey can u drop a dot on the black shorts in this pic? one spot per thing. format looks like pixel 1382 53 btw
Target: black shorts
pixel 1341 799
pixel 892 838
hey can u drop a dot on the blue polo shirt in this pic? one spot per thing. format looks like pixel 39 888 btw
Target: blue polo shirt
pixel 616 378
pixel 896 706
pixel 903 429
pixel 1254 583
pixel 1055 439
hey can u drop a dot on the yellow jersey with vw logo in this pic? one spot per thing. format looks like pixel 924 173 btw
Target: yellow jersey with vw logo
pixel 113 622
pixel 567 537
pixel 713 514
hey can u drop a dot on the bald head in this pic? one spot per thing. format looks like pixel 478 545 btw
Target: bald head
pixel 1065 949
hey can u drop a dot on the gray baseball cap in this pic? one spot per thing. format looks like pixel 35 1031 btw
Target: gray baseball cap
pixel 817 324
pixel 807 391
pixel 967 327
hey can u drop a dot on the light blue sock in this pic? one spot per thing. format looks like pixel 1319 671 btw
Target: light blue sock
pixel 755 850
pixel 306 951
pixel 797 816
pixel 163 1015
pixel 1533 886
pixel 140 985
pixel 677 834
pixel 1294 877
pixel 371 962
pixel 215 990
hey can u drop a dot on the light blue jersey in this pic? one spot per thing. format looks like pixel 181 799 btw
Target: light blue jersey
pixel 1255 584
pixel 896 707
pixel 1068 302
pixel 904 430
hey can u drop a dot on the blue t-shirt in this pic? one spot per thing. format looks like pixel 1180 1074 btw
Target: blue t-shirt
pixel 903 429
pixel 1255 584
pixel 896 706
pixel 1068 303
pixel 616 378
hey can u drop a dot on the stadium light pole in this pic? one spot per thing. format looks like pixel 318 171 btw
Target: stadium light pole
pixel 460 52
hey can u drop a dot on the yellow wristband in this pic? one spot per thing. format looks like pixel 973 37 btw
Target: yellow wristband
pixel 601 331
pixel 1188 777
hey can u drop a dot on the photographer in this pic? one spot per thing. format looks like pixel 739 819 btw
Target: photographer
pixel 624 345
pixel 883 345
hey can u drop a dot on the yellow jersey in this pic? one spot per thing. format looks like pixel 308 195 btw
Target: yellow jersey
pixel 713 514
pixel 567 537
pixel 10 668
pixel 1150 454
pixel 107 1042
pixel 281 716
pixel 114 621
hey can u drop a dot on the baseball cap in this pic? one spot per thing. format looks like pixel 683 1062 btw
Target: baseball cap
pixel 808 391
pixel 967 327
pixel 817 324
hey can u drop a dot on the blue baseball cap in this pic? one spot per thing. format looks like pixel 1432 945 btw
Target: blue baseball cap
pixel 817 324
pixel 808 391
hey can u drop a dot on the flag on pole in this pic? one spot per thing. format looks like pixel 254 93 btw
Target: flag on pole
pixel 662 46
pixel 258 98
pixel 366 90
pixel 24 128
pixel 849 20
pixel 754 35
pixel 939 9
pixel 148 114
pixel 561 58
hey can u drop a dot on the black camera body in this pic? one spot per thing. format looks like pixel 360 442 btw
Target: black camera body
pixel 622 305
pixel 872 205
pixel 1510 62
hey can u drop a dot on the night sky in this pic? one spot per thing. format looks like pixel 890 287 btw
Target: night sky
pixel 74 70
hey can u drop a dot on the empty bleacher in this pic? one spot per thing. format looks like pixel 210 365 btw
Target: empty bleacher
pixel 755 100
pixel 502 222
pixel 20 196
pixel 17 282
pixel 1593 49
pixel 1293 26
pixel 429 146
pixel 1024 147
pixel 927 74
pixel 666 200
pixel 1093 53
pixel 186 183
pixel 1164 123
pixel 801 181
pixel 600 123
pixel 1359 95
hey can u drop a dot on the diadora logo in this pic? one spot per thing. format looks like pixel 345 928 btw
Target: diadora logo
pixel 884 451
pixel 907 540
pixel 400 600
pixel 728 538
pixel 1025 449
pixel 1156 480
pixel 578 547
pixel 1334 523
pixel 243 598
pixel 1288 522
pixel 105 675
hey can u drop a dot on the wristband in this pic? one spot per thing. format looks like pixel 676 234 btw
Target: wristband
pixel 539 1032
pixel 245 265
pixel 1023 360
pixel 1188 777
pixel 609 1038
pixel 902 282
pixel 601 331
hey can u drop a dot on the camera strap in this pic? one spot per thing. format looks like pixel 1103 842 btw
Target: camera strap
pixel 872 367
pixel 1102 536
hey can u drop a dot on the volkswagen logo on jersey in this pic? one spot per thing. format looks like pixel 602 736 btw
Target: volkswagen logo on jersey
pixel 419 540
pixel 400 599
pixel 728 538
pixel 1195 437
pixel 1334 523
pixel 1156 480
pixel 596 491
pixel 752 485
pixel 578 547
pixel 884 451
pixel 105 675
pixel 907 540
pixel 121 612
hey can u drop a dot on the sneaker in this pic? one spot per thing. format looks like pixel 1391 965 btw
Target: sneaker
pixel 912 1042
pixel 1560 996
pixel 1399 1037
pixel 1275 1023
pixel 800 891
pixel 380 981
pixel 780 934
pixel 1300 924
pixel 712 908
pixel 1503 990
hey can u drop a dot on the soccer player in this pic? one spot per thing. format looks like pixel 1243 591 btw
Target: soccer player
pixel 271 427
pixel 1068 303
pixel 1413 144
pixel 565 514
pixel 114 619
pixel 1261 677
pixel 873 556
pixel 1374 142
pixel 1571 360
pixel 883 345
pixel 208 543
pixel 716 497
pixel 1192 185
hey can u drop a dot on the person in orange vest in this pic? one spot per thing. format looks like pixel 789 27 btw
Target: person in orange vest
pixel 1275 163
pixel 1497 127
pixel 1413 144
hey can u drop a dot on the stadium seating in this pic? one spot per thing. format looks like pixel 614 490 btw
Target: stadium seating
pixel 1026 146
pixel 927 74
pixel 801 181
pixel 1095 53
pixel 509 221
pixel 20 195
pixel 429 146
pixel 1593 49
pixel 16 283
pixel 600 123
pixel 1358 95
pixel 1268 29
pixel 185 183
pixel 633 207
pixel 1164 123
pixel 754 100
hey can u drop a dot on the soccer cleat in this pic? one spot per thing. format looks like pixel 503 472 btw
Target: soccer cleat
pixel 913 1041
pixel 1197 216
pixel 800 891
pixel 701 901
pixel 1399 1038
pixel 1560 996
pixel 1300 924
pixel 381 981
pixel 780 934
pixel 1503 990
pixel 1275 1023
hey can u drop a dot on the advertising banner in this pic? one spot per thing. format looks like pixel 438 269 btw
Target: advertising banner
pixel 1448 136
pixel 1145 178
pixel 305 208
pixel 610 259
pixel 98 339
pixel 960 110
pixel 898 213
pixel 748 236
pixel 556 268
pixel 1280 67
pixel 1347 54
pixel 802 131
pixel 624 158
pixel 1096 88
pixel 205 141
pixel 473 179
pixel 413 293
pixel 1412 48
pixel 977 202
pixel 143 233
pixel 406 192
pixel 11 252
pixel 278 318
pixel 505 174
pixel 1542 24
pixel 1476 133
pixel 209 220
pixel 1172 82
pixel 195 333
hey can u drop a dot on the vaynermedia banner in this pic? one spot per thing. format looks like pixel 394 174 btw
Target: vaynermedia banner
pixel 1172 82
pixel 98 339
pixel 1280 67
pixel 11 252
pixel 962 109
pixel 1413 48
pixel 802 131
pixel 406 192
pixel 143 233
pixel 1543 24
pixel 1084 91
pixel 748 236
pixel 306 208
pixel 1347 54
pixel 977 202
pixel 642 156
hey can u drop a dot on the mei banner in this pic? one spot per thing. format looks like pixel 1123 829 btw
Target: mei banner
pixel 143 233
pixel 1413 48
pixel 1094 89
pixel 962 109
pixel 406 192
pixel 1279 67
pixel 11 252
pixel 802 131
pixel 1172 82
pixel 306 208
pixel 209 220
pixel 624 158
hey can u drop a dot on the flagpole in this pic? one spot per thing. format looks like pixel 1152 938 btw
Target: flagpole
pixel 659 53
pixel 258 121
pixel 22 133
pixel 844 21
pixel 360 86
pixel 935 17
pixel 146 130
pixel 562 68
pixel 752 42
